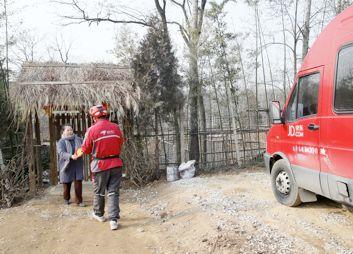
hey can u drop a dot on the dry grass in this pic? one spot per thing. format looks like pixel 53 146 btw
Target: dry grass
pixel 74 86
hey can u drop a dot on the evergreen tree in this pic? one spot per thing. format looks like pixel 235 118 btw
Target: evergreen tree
pixel 155 70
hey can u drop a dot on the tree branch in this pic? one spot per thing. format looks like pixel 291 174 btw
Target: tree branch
pixel 183 32
pixel 84 17
pixel 186 17
pixel 202 11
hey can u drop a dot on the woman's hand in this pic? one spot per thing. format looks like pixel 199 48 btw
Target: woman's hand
pixel 74 157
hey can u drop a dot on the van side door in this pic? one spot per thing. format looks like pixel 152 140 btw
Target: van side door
pixel 302 130
pixel 337 132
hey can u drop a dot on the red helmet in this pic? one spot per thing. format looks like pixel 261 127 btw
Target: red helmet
pixel 98 111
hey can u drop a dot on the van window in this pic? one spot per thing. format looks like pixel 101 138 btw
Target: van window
pixel 304 99
pixel 308 95
pixel 292 106
pixel 344 80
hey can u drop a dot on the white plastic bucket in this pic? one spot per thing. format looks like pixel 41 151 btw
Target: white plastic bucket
pixel 172 174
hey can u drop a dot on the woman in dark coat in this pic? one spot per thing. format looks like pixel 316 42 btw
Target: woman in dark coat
pixel 70 165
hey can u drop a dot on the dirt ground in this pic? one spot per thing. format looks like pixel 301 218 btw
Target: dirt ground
pixel 222 213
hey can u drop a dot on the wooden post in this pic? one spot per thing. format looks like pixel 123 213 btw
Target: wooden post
pixel 38 149
pixel 86 160
pixel 30 149
pixel 53 158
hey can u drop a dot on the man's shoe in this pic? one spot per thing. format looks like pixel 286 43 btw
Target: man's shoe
pixel 67 202
pixel 98 218
pixel 81 204
pixel 113 225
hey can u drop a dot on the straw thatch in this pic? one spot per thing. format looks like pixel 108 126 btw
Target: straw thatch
pixel 74 86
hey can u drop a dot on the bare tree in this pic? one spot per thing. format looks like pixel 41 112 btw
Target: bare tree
pixel 61 48
pixel 122 15
pixel 340 5
pixel 125 46
pixel 306 28
pixel 193 13
pixel 26 47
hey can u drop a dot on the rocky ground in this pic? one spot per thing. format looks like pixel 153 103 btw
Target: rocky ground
pixel 223 213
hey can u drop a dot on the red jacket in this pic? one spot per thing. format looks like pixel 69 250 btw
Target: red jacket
pixel 104 141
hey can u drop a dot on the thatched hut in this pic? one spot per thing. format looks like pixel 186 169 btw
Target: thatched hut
pixel 65 92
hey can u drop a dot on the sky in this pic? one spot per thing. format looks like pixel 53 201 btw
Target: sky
pixel 92 43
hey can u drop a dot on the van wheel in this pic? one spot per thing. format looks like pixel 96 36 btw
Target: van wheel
pixel 284 186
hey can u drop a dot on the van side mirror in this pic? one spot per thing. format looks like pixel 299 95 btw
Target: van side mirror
pixel 275 111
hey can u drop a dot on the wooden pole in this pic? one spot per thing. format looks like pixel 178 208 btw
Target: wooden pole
pixel 53 158
pixel 38 148
pixel 30 149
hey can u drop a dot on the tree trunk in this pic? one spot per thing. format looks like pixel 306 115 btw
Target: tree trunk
pixel 224 141
pixel 182 137
pixel 234 127
pixel 295 37
pixel 263 68
pixel 256 81
pixel 156 145
pixel 194 152
pixel 178 136
pixel 203 128
pixel 194 149
pixel 323 16
pixel 2 164
pixel 306 29
pixel 284 53
pixel 247 101
pixel 166 161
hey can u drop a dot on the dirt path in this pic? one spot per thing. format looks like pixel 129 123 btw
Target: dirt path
pixel 228 213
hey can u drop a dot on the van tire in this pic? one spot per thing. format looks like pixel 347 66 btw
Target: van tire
pixel 286 193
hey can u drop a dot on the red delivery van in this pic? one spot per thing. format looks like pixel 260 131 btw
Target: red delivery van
pixel 310 144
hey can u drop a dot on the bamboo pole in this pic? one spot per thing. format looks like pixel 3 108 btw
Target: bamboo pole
pixel 256 80
pixel 225 154
pixel 263 67
pixel 234 126
pixel 246 94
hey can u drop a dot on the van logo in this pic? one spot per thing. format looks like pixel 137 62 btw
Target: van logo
pixel 295 131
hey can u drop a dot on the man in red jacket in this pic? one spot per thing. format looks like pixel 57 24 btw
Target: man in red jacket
pixel 103 141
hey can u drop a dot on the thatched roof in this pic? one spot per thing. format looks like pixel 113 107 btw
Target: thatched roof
pixel 74 86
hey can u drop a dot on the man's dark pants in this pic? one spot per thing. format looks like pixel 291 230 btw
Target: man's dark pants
pixel 107 180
